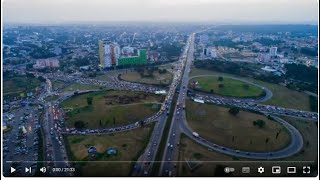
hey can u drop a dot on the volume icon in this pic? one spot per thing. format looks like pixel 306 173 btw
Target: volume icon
pixel 43 169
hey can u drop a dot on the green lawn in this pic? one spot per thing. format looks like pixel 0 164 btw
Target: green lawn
pixel 80 87
pixel 231 87
pixel 216 124
pixel 157 79
pixel 129 144
pixel 108 111
pixel 282 96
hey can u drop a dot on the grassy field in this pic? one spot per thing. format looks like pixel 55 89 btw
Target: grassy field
pixel 282 96
pixel 15 85
pixel 52 98
pixel 129 145
pixel 309 131
pixel 191 151
pixel 157 79
pixel 107 75
pixel 76 86
pixel 231 87
pixel 236 131
pixel 111 108
pixel 58 84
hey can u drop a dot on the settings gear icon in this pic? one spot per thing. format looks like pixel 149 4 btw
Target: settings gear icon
pixel 261 170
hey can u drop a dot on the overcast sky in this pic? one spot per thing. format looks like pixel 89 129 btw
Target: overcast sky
pixel 223 11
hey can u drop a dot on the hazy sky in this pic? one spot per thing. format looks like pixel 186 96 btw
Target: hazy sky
pixel 228 11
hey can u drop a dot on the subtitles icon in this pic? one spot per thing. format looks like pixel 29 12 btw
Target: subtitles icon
pixel 245 170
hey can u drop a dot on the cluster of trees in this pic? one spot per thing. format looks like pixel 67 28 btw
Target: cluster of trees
pixel 41 52
pixel 260 123
pixel 302 73
pixel 79 124
pixel 309 51
pixel 171 50
pixel 297 77
pixel 313 103
pixel 268 41
pixel 302 77
pixel 148 71
pixel 234 110
pixel 162 71
pixel 89 101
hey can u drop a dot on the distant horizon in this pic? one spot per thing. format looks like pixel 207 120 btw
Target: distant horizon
pixel 154 11
pixel 160 22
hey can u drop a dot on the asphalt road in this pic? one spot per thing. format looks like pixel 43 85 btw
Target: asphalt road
pixel 168 166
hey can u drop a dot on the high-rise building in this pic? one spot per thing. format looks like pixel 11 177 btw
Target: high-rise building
pixel 213 53
pixel 273 51
pixel 209 52
pixel 101 53
pixel 109 54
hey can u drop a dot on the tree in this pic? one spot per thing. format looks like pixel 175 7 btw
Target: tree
pixel 79 124
pixel 221 85
pixel 89 101
pixel 211 91
pixel 141 123
pixel 220 78
pixel 267 140
pixel 234 111
pixel 260 123
pixel 114 120
pixel 42 79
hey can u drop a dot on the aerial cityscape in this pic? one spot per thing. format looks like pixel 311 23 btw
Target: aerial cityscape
pixel 159 99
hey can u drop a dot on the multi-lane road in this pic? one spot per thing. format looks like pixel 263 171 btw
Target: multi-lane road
pixel 55 147
pixel 168 166
pixel 146 160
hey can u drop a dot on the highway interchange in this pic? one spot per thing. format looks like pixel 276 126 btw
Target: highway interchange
pixel 53 128
pixel 179 124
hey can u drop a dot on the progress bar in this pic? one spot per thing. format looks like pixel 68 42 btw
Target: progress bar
pixel 166 161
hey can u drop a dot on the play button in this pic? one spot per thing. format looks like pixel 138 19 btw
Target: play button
pixel 12 170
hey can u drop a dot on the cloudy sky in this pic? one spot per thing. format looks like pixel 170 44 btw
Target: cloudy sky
pixel 222 11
